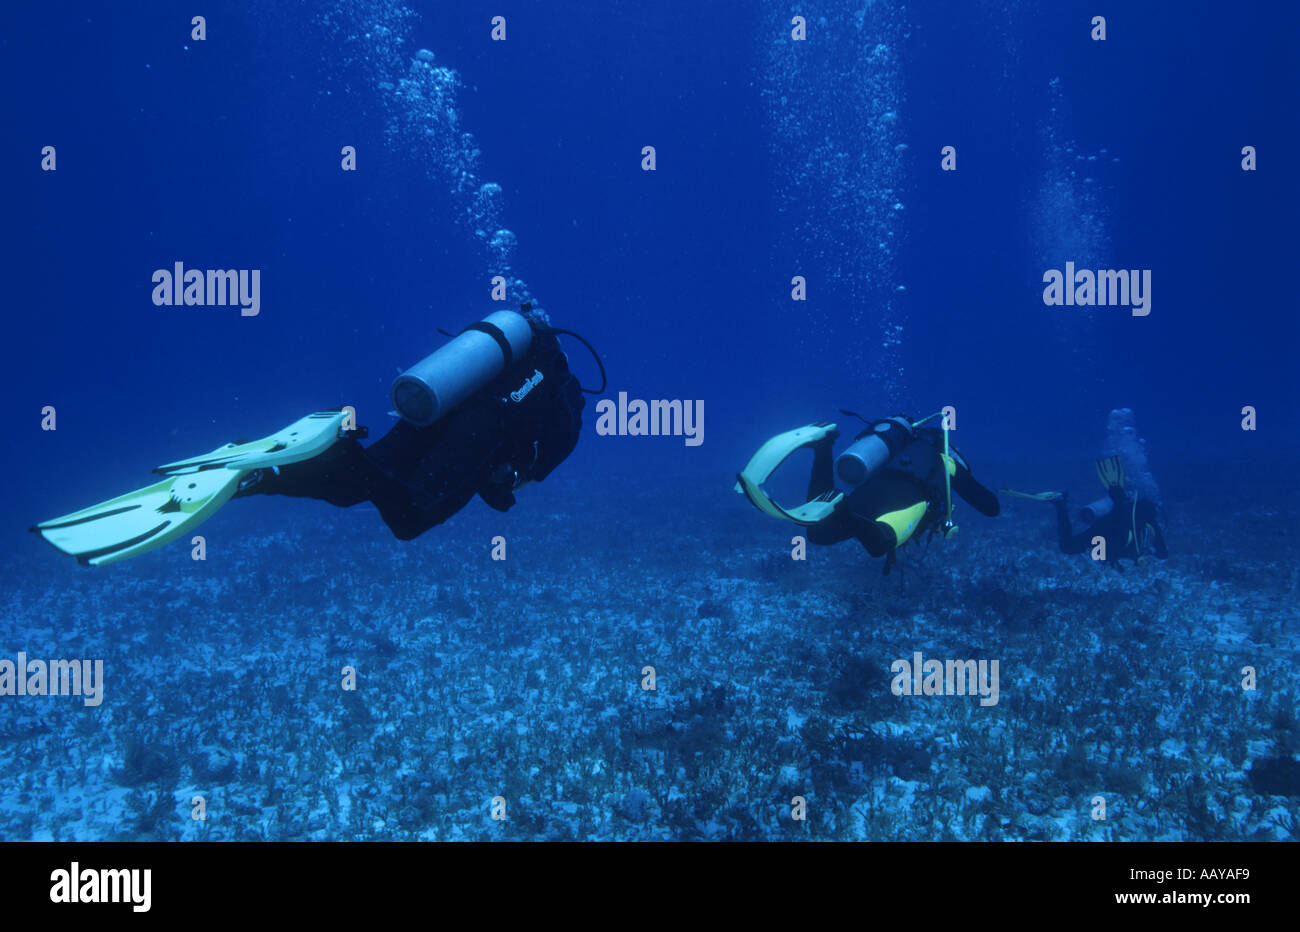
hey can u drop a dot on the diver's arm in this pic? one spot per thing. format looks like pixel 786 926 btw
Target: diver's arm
pixel 979 498
pixel 1071 543
pixel 558 433
pixel 1147 515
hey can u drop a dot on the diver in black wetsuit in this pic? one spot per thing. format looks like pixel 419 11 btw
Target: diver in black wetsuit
pixel 902 476
pixel 1128 523
pixel 491 410
pixel 510 432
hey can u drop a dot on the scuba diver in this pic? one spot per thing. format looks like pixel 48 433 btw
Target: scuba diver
pixel 902 476
pixel 1127 522
pixel 490 411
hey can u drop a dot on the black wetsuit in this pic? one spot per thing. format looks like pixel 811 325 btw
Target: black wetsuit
pixel 1128 531
pixel 913 475
pixel 418 477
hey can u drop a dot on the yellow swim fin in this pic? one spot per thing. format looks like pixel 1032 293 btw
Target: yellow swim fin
pixel 765 462
pixel 1033 496
pixel 190 492
pixel 142 520
pixel 1110 470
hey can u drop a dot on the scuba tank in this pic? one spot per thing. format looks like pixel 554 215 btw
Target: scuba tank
pixel 450 374
pixel 872 449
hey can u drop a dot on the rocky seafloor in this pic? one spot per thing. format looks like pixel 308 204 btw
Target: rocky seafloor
pixel 522 679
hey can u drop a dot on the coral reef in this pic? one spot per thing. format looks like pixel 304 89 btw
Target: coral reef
pixel 523 680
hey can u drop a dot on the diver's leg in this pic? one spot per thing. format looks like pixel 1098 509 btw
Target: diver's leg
pixel 877 498
pixel 838 527
pixel 409 513
pixel 878 538
pixel 422 476
pixel 400 451
pixel 822 479
pixel 348 474
pixel 1070 542
pixel 339 476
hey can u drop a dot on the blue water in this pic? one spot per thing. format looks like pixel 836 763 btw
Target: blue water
pixel 775 158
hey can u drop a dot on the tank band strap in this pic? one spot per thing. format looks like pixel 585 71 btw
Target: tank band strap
pixel 495 332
